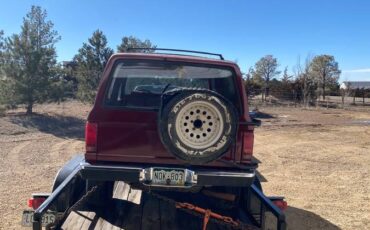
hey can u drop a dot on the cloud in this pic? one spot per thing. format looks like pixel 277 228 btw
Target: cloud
pixel 357 71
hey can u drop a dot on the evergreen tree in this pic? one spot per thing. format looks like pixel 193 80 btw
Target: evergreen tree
pixel 133 42
pixel 60 86
pixel 4 94
pixel 90 62
pixel 286 77
pixel 29 58
pixel 326 71
pixel 1 43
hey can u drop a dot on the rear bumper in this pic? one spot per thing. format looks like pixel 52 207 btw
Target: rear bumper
pixel 196 177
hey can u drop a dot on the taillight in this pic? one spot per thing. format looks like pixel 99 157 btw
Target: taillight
pixel 35 202
pixel 91 135
pixel 248 139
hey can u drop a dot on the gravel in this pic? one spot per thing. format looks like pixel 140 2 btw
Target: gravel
pixel 318 159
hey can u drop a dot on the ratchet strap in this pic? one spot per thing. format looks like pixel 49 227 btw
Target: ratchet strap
pixel 207 214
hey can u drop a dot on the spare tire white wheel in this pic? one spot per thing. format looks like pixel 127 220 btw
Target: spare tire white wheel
pixel 197 126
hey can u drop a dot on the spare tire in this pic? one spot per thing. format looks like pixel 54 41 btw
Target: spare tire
pixel 197 125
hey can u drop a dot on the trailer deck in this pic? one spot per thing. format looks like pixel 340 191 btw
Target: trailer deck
pixel 125 213
pixel 136 209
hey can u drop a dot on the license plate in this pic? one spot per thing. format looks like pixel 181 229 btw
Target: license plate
pixel 27 218
pixel 163 176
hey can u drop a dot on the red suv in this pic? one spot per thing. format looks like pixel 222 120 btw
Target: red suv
pixel 170 120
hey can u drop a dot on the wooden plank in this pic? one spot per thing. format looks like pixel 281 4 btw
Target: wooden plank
pixel 121 190
pixel 123 214
pixel 124 191
pixel 134 196
pixel 98 225
pixel 152 214
pixel 79 220
pixel 89 218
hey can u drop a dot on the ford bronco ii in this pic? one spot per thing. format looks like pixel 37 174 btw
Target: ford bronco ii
pixel 167 123
pixel 171 121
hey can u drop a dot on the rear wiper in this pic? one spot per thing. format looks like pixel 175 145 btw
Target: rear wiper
pixel 165 88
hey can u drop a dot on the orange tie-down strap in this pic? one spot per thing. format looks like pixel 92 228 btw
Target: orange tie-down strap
pixel 207 214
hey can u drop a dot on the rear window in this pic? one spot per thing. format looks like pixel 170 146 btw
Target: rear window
pixel 140 84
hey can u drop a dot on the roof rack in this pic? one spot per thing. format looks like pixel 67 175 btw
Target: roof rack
pixel 177 50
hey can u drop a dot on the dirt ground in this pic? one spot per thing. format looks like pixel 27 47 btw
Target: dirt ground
pixel 319 159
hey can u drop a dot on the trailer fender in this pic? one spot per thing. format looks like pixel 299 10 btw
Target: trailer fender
pixel 67 169
pixel 74 190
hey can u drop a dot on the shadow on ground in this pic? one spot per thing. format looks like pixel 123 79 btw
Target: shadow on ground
pixel 261 115
pixel 57 125
pixel 306 220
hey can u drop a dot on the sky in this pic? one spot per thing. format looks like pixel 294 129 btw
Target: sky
pixel 241 30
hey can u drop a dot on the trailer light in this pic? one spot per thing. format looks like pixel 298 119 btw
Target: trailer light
pixel 91 134
pixel 281 204
pixel 35 202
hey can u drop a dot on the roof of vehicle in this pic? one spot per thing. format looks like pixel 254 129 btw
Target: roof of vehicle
pixel 175 57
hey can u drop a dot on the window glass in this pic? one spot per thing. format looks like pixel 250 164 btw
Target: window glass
pixel 141 83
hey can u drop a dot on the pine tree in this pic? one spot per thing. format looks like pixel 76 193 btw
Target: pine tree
pixel 326 71
pixel 133 42
pixel 286 77
pixel 90 61
pixel 29 59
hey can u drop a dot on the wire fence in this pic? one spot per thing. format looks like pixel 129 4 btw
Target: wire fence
pixel 291 98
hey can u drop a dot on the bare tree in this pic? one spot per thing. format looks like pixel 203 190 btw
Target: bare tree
pixel 305 79
pixel 286 77
pixel 266 68
pixel 345 91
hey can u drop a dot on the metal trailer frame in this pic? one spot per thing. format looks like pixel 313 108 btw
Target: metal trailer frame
pixel 256 208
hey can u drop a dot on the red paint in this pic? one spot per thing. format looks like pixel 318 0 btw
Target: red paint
pixel 127 135
pixel 35 202
pixel 91 133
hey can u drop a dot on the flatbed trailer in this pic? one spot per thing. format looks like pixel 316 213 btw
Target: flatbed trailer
pixel 258 212
pixel 182 134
